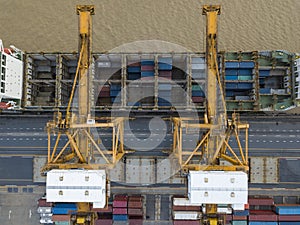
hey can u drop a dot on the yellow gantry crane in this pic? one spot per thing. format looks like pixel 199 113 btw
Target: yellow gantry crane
pixel 206 173
pixel 77 171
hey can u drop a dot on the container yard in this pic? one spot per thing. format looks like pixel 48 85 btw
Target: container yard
pixel 132 136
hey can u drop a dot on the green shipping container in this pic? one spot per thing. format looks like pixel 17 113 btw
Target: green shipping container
pixel 245 77
pixel 239 222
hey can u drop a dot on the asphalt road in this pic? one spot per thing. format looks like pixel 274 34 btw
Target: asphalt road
pixel 24 137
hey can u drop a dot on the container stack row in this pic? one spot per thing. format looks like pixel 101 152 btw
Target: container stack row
pixel 135 210
pixel 45 211
pixel 104 215
pixel 184 213
pixel 251 80
pixel 120 213
pixel 62 211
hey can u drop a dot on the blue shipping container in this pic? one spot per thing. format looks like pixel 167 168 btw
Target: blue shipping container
pixel 114 93
pixel 231 65
pixel 264 73
pixel 134 76
pixel 231 72
pixel 239 222
pixel 63 211
pixel 164 66
pixel 287 210
pixel 147 74
pixel 115 87
pixel 245 72
pixel 262 223
pixel 167 60
pixel 118 217
pixel 289 223
pixel 165 87
pixel 134 69
pixel 230 77
pixel 198 93
pixel 247 65
pixel 245 86
pixel 147 62
pixel 66 205
pixel 241 212
pixel 265 90
pixel 231 86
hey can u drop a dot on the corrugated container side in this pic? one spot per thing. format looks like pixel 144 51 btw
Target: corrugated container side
pixel 61 217
pixel 120 217
pixel 287 210
pixel 289 218
pixel 263 223
pixel 186 215
pixel 261 201
pixel 44 203
pixel 262 215
pixel 120 204
pixel 186 208
pixel 289 223
pixel 185 222
pixel 121 211
pixel 103 222
pixel 135 221
pixel 241 212
pixel 135 212
pixel 239 217
pixel 135 204
pixel 240 222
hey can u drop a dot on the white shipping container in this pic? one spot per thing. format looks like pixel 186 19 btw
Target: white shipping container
pixel 218 187
pixel 184 202
pixel 186 215
pixel 76 186
pixel 44 210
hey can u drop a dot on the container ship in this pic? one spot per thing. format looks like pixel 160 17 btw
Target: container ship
pixel 146 184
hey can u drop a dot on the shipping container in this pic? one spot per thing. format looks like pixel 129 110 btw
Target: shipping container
pixel 61 218
pixel 135 204
pixel 186 215
pixel 135 222
pixel 104 222
pixel 289 218
pixel 121 211
pixel 262 215
pixel 262 223
pixel 287 210
pixel 185 222
pixel 289 223
pixel 135 212
pixel 261 201
pixel 186 208
pixel 239 222
pixel 120 217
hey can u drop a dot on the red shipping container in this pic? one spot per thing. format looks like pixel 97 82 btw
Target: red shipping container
pixel 135 204
pixel 119 204
pixel 107 209
pixel 135 212
pixel 197 99
pixel 261 201
pixel 228 217
pixel 121 211
pixel 288 217
pixel 135 198
pixel 147 68
pixel 186 208
pixel 163 73
pixel 186 222
pixel 44 203
pixel 262 215
pixel 60 217
pixel 121 197
pixel 105 88
pixel 239 217
pixel 103 222
pixel 136 222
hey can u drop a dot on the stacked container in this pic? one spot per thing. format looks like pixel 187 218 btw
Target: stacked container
pixel 261 211
pixel 135 210
pixel 198 94
pixel 147 69
pixel 115 94
pixel 104 96
pixel 165 67
pixel 288 214
pixel 164 94
pixel 134 71
pixel 45 211
pixel 104 215
pixel 62 211
pixel 185 213
pixel 120 208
